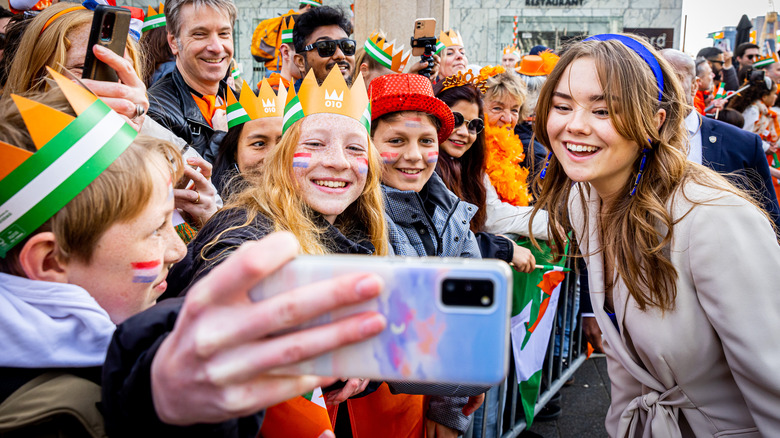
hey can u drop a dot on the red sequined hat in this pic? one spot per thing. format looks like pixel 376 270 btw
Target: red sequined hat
pixel 409 92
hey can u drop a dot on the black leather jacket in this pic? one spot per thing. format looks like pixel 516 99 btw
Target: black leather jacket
pixel 171 105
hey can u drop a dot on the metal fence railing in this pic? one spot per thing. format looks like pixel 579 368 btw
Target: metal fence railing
pixel 565 353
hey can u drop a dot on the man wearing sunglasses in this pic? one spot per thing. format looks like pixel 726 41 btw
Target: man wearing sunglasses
pixel 746 54
pixel 721 65
pixel 321 39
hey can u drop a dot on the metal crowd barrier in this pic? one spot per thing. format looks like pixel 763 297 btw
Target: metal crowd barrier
pixel 557 368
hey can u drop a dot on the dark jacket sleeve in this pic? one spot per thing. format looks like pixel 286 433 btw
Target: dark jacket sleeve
pixel 762 181
pixel 127 402
pixel 492 246
pixel 729 77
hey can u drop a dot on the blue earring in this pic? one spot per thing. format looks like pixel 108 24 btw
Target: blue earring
pixel 546 164
pixel 641 170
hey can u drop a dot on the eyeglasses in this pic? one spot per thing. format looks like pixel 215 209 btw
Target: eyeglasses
pixel 327 48
pixel 475 126
pixel 750 57
pixel 715 61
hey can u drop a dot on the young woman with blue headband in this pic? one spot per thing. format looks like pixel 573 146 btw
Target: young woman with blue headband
pixel 683 266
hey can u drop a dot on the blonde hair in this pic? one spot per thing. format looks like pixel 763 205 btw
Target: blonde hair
pixel 276 197
pixel 640 227
pixel 39 48
pixel 118 194
pixel 505 85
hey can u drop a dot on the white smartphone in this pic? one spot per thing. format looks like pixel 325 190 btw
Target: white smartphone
pixel 448 319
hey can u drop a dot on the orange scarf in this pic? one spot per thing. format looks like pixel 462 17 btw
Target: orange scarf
pixel 503 154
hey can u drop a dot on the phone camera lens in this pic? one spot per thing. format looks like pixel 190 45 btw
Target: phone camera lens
pixel 485 300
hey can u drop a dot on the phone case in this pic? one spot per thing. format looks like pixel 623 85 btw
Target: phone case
pixel 423 28
pixel 425 340
pixel 93 67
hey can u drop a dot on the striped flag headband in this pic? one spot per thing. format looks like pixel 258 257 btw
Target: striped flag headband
pixel 386 53
pixel 154 19
pixel 72 152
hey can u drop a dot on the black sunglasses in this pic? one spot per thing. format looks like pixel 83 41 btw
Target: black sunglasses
pixel 475 126
pixel 327 48
pixel 751 57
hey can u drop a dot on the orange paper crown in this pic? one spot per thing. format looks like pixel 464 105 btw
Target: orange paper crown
pixel 450 38
pixel 334 96
pixel 511 49
pixel 386 53
pixel 251 107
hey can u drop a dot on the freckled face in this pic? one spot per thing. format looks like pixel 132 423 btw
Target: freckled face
pixel 408 144
pixel 582 135
pixel 331 163
pixel 462 139
pixel 127 271
pixel 258 137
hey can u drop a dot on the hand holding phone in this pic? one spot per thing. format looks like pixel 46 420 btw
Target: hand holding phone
pixel 448 319
pixel 110 25
pixel 423 42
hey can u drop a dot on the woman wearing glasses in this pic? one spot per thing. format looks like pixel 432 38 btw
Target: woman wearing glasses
pixel 461 166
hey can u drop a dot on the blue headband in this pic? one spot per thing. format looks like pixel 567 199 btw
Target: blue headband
pixel 640 50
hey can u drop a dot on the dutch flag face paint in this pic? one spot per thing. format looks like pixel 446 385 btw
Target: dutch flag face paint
pixel 389 157
pixel 433 157
pixel 362 165
pixel 146 272
pixel 301 159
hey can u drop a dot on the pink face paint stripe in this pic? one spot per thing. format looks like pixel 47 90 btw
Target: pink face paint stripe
pixel 389 157
pixel 301 159
pixel 362 165
pixel 146 272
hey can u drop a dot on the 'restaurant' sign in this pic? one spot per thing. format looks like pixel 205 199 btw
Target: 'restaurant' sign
pixel 554 2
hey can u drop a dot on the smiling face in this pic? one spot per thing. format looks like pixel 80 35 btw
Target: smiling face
pixel 330 163
pixel 461 139
pixel 503 112
pixel 127 270
pixel 582 134
pixel 453 60
pixel 408 144
pixel 204 47
pixel 321 66
pixel 257 138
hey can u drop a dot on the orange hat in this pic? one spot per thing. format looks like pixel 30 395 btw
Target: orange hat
pixel 538 65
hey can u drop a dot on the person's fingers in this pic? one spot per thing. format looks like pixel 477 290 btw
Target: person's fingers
pixel 430 428
pixel 242 362
pixel 200 182
pixel 475 401
pixel 121 106
pixel 123 66
pixel 182 197
pixel 294 307
pixel 250 263
pixel 363 385
pixel 205 166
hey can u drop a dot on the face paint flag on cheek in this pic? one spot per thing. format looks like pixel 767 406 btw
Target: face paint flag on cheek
pixel 301 159
pixel 146 272
pixel 362 165
pixel 389 157
pixel 433 157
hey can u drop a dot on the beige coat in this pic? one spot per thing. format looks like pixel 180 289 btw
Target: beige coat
pixel 710 367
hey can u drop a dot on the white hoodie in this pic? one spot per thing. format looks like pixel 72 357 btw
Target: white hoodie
pixel 47 325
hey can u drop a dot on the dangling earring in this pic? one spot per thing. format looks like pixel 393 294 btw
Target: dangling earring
pixel 645 151
pixel 546 164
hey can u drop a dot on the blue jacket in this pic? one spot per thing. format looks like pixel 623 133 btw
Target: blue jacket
pixel 433 222
pixel 726 149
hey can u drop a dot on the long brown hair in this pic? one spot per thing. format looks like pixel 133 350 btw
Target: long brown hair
pixel 640 227
pixel 276 197
pixel 465 176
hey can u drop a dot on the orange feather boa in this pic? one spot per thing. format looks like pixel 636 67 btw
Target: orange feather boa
pixel 503 154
